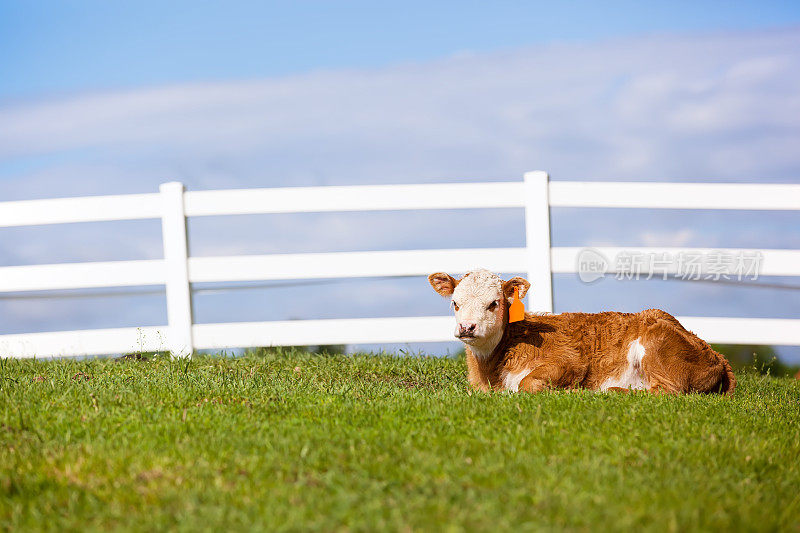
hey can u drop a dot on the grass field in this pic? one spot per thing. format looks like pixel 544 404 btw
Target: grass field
pixel 306 442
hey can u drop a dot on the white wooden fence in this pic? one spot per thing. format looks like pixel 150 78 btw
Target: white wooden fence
pixel 177 270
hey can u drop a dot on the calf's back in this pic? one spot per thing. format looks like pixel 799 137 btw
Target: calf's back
pixel 649 350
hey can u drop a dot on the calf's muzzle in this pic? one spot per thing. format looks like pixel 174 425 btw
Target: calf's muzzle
pixel 466 329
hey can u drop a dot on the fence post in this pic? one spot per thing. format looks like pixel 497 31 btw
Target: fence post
pixel 176 256
pixel 537 241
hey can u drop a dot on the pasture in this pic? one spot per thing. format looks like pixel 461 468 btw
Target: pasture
pixel 295 441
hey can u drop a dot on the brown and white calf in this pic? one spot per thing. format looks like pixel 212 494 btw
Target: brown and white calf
pixel 649 350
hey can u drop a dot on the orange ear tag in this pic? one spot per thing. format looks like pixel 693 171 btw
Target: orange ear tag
pixel 517 310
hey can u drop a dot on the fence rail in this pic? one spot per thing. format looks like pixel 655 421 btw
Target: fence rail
pixel 342 265
pixel 742 196
pixel 535 194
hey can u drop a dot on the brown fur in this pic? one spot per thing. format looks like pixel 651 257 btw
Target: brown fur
pixel 583 350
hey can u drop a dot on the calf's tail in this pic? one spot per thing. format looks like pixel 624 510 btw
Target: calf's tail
pixel 728 382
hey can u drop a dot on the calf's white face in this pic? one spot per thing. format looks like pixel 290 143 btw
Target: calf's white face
pixel 480 301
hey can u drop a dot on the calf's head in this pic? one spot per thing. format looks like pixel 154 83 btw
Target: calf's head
pixel 480 300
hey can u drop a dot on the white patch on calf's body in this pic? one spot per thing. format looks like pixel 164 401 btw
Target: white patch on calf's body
pixel 632 376
pixel 511 380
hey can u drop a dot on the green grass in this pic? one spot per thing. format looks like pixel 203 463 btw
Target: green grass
pixel 305 442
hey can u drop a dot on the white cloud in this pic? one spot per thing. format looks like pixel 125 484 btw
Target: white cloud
pixel 681 237
pixel 642 108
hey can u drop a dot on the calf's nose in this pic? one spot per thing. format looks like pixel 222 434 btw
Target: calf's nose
pixel 466 328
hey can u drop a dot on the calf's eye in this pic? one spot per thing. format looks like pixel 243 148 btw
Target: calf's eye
pixel 492 306
pixel 455 306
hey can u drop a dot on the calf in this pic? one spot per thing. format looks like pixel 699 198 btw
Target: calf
pixel 649 350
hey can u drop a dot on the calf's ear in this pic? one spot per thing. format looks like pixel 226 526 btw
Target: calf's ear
pixel 517 282
pixel 442 283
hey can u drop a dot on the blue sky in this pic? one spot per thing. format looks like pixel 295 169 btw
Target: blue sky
pixel 106 98
pixel 56 47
